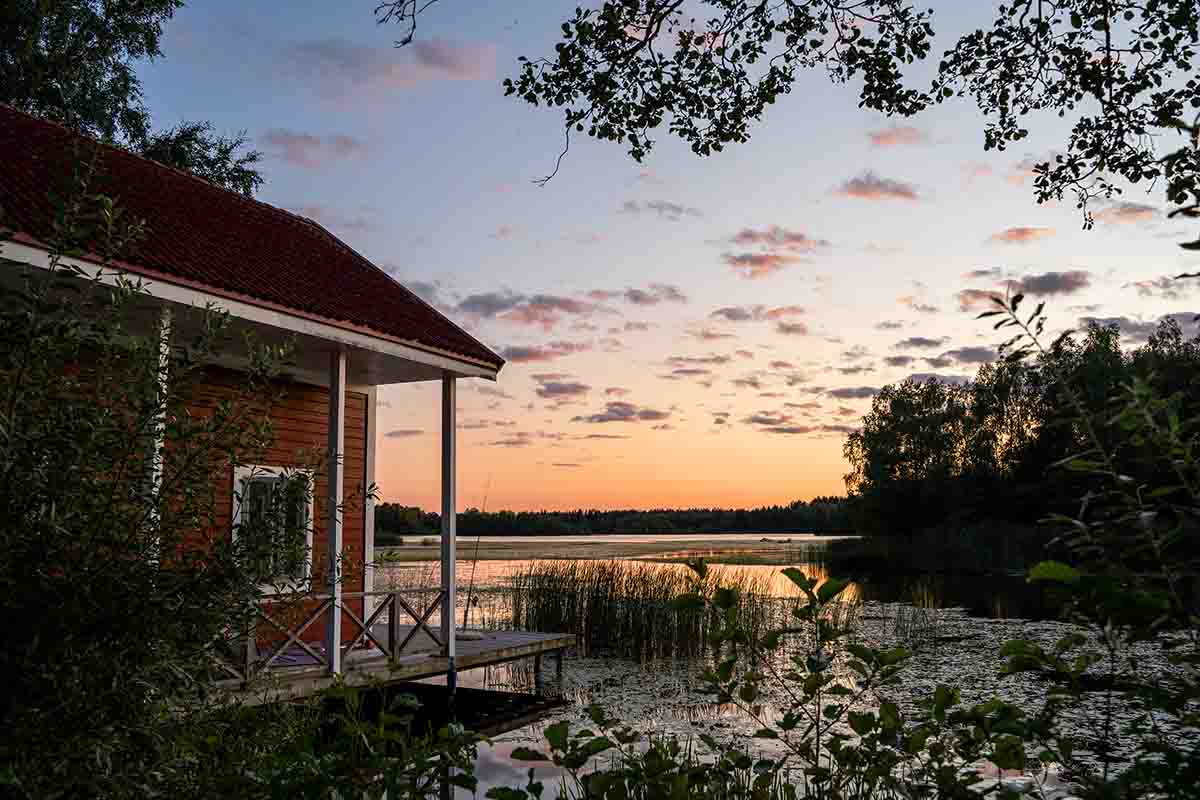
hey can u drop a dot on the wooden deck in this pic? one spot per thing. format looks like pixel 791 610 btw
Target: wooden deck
pixel 422 658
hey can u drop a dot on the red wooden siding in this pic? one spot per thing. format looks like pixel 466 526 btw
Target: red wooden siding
pixel 299 420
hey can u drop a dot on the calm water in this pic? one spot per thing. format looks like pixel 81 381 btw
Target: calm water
pixel 964 621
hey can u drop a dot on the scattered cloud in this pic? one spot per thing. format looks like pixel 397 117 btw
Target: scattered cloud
pixel 616 391
pixel 758 265
pixel 672 212
pixel 1126 213
pixel 621 411
pixel 504 232
pixel 1021 235
pixel 856 352
pixel 856 370
pixel 1053 283
pixel 898 361
pixel 755 313
pixel 889 325
pixel 519 439
pixel 920 341
pixel 566 465
pixel 404 433
pixel 339 66
pixel 778 238
pixel 1165 287
pixel 492 391
pixel 917 304
pixel 554 387
pixel 490 304
pixel 653 295
pixel 970 355
pixel 973 299
pixel 791 328
pixel 541 310
pixel 707 334
pixel 532 353
pixel 310 151
pixel 870 186
pixel 782 365
pixel 689 361
pixel 897 135
pixel 853 392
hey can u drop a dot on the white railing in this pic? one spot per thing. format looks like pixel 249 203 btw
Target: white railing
pixel 252 664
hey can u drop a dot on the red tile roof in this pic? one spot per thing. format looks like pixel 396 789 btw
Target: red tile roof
pixel 205 236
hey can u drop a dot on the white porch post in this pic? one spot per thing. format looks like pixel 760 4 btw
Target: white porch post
pixel 449 520
pixel 369 504
pixel 334 498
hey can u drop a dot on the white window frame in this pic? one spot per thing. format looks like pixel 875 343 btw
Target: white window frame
pixel 250 471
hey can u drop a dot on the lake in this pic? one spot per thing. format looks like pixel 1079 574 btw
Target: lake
pixel 954 625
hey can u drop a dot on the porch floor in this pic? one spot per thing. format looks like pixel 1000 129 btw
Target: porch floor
pixel 422 658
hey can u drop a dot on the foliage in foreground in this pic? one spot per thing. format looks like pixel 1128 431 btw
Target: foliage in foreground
pixel 120 590
pixel 1129 570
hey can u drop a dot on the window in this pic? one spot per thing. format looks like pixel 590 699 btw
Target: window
pixel 272 518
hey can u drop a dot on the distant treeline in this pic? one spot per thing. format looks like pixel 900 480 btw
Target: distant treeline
pixel 820 515
pixel 935 455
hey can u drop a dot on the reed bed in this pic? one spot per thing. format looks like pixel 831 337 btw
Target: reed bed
pixel 628 609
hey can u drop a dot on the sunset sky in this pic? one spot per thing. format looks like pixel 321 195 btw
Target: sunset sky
pixel 681 332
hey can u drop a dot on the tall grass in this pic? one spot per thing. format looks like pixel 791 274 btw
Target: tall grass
pixel 628 609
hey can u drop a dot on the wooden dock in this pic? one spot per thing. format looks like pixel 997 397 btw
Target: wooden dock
pixel 422 658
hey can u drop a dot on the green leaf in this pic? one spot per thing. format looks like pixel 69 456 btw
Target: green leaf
pixel 688 602
pixel 799 578
pixel 831 588
pixel 725 598
pixel 766 733
pixel 527 754
pixel 1055 571
pixel 505 793
pixel 556 735
pixel 699 567
pixel 1009 752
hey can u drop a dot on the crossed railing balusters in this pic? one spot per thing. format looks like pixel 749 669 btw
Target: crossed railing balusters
pixel 393 603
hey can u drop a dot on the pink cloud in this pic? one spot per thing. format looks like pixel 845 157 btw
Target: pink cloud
pixel 1021 235
pixel 548 352
pixel 777 238
pixel 1126 214
pixel 309 151
pixel 870 186
pixel 917 304
pixel 973 299
pixel 897 135
pixel 341 66
pixel 758 265
pixel 791 328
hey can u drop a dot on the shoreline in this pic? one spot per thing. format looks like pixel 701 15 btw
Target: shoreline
pixel 670 547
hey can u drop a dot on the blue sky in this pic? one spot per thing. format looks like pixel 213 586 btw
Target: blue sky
pixel 417 160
